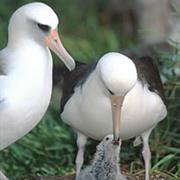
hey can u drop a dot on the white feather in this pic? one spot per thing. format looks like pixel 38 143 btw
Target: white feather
pixel 89 109
pixel 26 81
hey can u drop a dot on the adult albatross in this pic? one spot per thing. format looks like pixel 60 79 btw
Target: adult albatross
pixel 115 94
pixel 26 70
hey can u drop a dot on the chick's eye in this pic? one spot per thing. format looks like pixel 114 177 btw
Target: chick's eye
pixel 107 139
pixel 44 27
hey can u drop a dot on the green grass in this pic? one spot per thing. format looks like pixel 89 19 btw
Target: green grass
pixel 50 148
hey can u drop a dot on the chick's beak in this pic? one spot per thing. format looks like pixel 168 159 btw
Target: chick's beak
pixel 53 41
pixel 116 104
pixel 117 142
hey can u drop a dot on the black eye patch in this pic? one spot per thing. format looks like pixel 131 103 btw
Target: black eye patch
pixel 44 27
pixel 110 92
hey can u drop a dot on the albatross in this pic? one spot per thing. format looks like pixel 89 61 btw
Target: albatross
pixel 115 95
pixel 26 70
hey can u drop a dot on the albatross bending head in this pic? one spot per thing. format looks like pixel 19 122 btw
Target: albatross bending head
pixel 38 22
pixel 118 74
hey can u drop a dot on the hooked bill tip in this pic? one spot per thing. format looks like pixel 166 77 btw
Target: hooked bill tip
pixel 116 142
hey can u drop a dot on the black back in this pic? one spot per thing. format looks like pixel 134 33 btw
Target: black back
pixel 75 78
pixel 147 73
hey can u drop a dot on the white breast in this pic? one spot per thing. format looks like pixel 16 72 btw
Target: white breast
pixel 25 93
pixel 89 110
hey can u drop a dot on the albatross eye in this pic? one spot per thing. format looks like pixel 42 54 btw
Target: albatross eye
pixel 44 27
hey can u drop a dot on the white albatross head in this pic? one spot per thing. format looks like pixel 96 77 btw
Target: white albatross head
pixel 119 75
pixel 38 22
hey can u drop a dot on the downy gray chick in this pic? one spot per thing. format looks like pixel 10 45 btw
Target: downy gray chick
pixel 105 165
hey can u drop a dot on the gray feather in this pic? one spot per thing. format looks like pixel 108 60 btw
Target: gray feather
pixel 105 165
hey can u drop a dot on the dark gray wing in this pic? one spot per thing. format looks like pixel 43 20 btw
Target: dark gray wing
pixel 148 73
pixel 72 79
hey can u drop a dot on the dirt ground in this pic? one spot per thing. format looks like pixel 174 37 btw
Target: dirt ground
pixel 154 176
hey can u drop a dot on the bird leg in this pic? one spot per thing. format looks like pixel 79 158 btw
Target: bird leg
pixel 146 152
pixel 81 142
pixel 2 176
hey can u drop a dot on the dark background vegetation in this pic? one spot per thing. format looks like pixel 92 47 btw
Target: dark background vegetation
pixel 88 33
